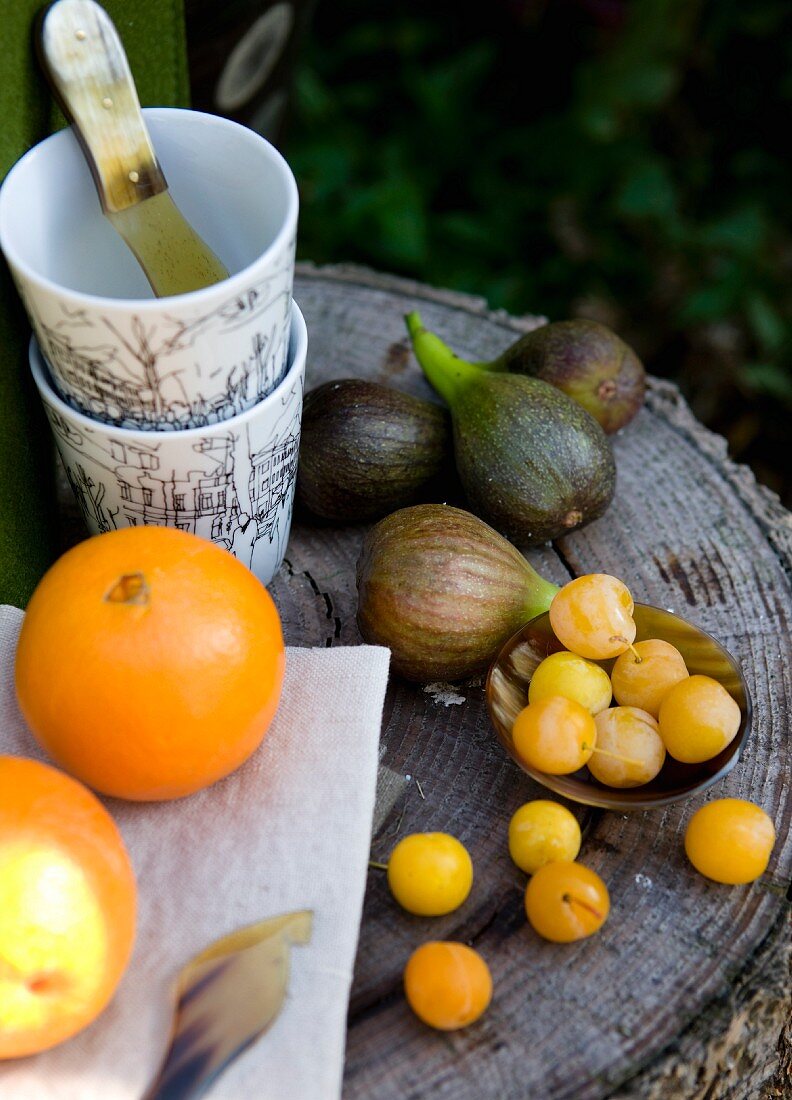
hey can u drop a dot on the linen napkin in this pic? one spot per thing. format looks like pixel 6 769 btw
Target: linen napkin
pixel 153 35
pixel 290 830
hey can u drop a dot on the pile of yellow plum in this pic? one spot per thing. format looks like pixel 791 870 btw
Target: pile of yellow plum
pixel 569 720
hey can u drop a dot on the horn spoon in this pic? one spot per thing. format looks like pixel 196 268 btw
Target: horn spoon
pixel 85 62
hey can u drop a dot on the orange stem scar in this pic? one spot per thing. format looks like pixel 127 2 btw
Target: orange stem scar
pixel 131 588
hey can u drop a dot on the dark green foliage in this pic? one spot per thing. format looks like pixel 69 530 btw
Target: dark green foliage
pixel 624 161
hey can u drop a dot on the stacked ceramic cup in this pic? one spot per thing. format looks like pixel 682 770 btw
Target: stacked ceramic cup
pixel 182 411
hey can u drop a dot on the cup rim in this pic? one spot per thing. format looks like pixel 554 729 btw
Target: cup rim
pixel 298 348
pixel 237 281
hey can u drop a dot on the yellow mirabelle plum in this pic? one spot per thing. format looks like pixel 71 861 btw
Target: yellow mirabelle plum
pixel 541 832
pixel 574 677
pixel 592 616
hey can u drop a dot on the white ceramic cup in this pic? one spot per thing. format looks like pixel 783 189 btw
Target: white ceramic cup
pixel 231 482
pixel 116 352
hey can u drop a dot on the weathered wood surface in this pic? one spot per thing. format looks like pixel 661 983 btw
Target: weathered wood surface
pixel 680 961
pixel 686 991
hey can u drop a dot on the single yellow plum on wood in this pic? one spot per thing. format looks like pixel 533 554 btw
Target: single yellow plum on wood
pixel 730 840
pixel 541 832
pixel 448 985
pixel 430 874
pixel 566 901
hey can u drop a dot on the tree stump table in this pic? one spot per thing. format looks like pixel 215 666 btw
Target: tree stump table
pixel 685 991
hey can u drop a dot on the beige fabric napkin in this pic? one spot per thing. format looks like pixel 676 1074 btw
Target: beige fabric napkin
pixel 290 830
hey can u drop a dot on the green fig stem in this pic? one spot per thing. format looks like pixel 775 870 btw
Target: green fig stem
pixel 446 371
pixel 540 594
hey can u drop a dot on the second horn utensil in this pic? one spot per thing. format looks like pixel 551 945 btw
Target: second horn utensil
pixel 85 62
pixel 228 996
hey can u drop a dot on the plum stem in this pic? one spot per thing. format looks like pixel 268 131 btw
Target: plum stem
pixel 630 646
pixel 571 900
pixel 613 755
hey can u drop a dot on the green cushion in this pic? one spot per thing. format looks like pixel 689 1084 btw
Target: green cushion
pixel 153 34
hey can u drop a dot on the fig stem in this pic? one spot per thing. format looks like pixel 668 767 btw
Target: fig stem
pixel 447 373
pixel 539 595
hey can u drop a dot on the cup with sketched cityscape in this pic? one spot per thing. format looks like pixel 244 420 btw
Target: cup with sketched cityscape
pixel 231 482
pixel 115 352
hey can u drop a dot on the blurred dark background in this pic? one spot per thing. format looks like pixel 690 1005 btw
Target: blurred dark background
pixel 627 161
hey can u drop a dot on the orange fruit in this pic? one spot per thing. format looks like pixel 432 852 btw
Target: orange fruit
pixel 150 663
pixel 67 907
pixel 448 985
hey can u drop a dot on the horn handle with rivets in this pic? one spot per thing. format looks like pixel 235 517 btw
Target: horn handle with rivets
pixel 85 62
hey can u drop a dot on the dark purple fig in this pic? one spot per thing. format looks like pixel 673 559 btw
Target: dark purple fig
pixel 443 591
pixel 586 360
pixel 366 449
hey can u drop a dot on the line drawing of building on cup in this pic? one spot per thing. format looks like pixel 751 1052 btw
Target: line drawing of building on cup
pixel 118 372
pixel 236 491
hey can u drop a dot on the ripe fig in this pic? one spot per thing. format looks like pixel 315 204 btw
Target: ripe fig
pixel 586 360
pixel 443 591
pixel 532 461
pixel 366 449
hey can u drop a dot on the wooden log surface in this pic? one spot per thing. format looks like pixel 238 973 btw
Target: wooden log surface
pixel 683 966
pixel 685 993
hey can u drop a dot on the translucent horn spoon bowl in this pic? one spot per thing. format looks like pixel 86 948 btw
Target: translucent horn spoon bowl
pixel 507 694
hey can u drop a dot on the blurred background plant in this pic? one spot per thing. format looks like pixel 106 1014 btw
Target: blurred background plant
pixel 626 161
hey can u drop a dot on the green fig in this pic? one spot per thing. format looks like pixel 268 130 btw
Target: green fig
pixel 586 360
pixel 443 591
pixel 532 461
pixel 366 449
